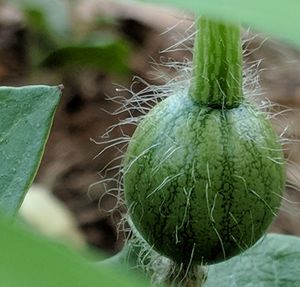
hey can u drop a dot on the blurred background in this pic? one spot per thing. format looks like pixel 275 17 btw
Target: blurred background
pixel 94 47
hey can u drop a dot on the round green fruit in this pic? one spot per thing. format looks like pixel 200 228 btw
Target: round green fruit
pixel 203 184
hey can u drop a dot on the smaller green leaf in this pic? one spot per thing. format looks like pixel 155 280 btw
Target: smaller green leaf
pixel 111 56
pixel 27 260
pixel 25 120
pixel 273 262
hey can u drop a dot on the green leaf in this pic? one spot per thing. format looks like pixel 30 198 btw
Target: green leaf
pixel 276 17
pixel 273 262
pixel 27 260
pixel 25 120
pixel 110 56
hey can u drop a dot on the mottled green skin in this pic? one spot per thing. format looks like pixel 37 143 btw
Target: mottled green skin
pixel 200 181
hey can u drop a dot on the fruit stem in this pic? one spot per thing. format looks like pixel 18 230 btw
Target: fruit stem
pixel 217 75
pixel 186 276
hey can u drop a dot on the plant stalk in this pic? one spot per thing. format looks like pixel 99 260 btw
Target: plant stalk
pixel 217 75
pixel 186 276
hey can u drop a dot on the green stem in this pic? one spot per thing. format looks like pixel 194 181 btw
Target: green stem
pixel 217 75
pixel 186 276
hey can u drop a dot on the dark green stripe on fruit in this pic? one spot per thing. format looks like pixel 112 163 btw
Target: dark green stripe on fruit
pixel 217 73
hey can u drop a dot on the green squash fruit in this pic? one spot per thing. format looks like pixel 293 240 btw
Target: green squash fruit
pixel 202 183
pixel 204 171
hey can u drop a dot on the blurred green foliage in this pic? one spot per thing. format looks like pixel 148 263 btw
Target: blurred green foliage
pixel 98 55
pixel 51 16
pixel 29 260
pixel 54 44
